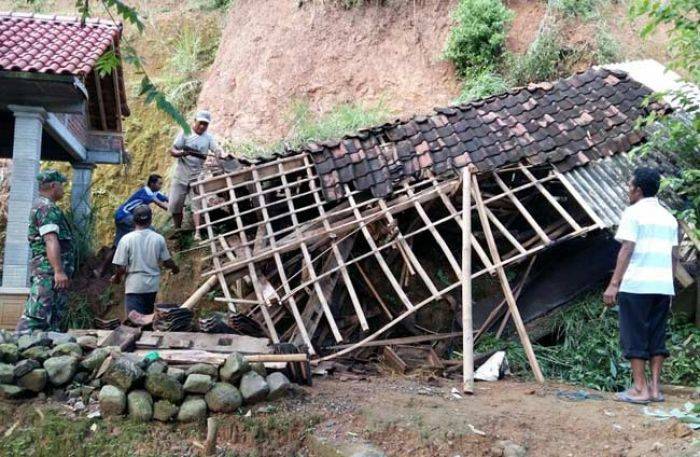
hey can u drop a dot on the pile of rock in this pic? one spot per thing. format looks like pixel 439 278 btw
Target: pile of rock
pixel 144 388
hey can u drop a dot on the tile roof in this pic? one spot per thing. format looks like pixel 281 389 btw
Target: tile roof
pixel 53 44
pixel 567 123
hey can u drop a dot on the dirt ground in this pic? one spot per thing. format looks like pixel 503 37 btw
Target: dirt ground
pixel 401 416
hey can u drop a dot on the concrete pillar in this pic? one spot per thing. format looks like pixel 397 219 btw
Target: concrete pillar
pixel 26 156
pixel 80 194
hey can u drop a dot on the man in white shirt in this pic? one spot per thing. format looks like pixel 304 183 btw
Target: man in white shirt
pixel 139 255
pixel 642 284
pixel 191 151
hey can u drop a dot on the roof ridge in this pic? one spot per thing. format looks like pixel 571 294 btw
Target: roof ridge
pixel 61 18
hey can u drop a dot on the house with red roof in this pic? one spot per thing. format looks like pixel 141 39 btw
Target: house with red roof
pixel 54 105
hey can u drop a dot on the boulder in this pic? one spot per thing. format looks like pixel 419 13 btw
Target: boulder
pixel 234 368
pixel 157 366
pixel 34 381
pixel 259 368
pixel 253 387
pixel 94 359
pixel 39 353
pixel 112 401
pixel 203 368
pixel 33 339
pixel 140 405
pixel 9 353
pixel 279 385
pixel 193 409
pixel 164 411
pixel 10 391
pixel 61 369
pixel 223 398
pixel 58 338
pixel 123 373
pixel 198 383
pixel 25 366
pixel 160 385
pixel 176 373
pixel 73 349
pixel 6 373
pixel 87 342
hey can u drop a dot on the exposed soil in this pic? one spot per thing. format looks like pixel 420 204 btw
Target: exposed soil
pixel 525 25
pixel 400 416
pixel 326 55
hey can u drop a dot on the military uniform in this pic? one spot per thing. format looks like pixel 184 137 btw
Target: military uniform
pixel 46 305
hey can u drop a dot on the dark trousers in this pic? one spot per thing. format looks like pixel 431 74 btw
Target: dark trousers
pixel 141 303
pixel 643 319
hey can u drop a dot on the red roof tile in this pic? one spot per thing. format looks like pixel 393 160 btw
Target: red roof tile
pixel 53 44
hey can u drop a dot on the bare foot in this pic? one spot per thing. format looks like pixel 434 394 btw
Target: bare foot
pixel 634 395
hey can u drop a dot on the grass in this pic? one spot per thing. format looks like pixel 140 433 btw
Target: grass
pixel 542 60
pixel 584 9
pixel 588 353
pixel 480 83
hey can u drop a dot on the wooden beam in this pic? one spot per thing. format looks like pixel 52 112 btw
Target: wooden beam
pixel 467 331
pixel 100 100
pixel 525 213
pixel 507 292
pixel 550 198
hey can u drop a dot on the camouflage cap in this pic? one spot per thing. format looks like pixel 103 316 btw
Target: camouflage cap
pixel 50 175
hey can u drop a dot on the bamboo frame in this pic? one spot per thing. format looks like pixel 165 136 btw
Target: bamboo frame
pixel 467 326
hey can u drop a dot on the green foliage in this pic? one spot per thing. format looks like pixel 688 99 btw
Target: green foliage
pixel 542 60
pixel 308 125
pixel 607 47
pixel 678 134
pixel 480 83
pixel 107 63
pixel 588 352
pixel 478 38
pixel 585 9
pixel 680 17
pixel 79 313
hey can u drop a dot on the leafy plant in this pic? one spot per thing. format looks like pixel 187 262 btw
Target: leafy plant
pixel 587 351
pixel 585 9
pixel 481 82
pixel 607 47
pixel 541 61
pixel 678 134
pixel 478 38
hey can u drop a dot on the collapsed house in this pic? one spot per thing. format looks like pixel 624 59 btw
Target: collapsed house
pixel 341 243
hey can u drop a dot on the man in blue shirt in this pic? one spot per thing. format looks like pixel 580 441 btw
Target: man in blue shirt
pixel 124 219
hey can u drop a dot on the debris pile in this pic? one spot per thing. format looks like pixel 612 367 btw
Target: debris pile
pixel 142 386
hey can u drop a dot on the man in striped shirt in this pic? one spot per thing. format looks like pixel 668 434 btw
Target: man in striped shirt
pixel 642 284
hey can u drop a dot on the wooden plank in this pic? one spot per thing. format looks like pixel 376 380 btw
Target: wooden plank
pixel 280 266
pixel 579 199
pixel 393 361
pixel 467 325
pixel 507 292
pixel 550 198
pixel 436 235
pixel 100 100
pixel 123 337
pixel 253 274
pixel 377 255
pixel 310 266
pixel 405 340
pixel 340 259
pixel 525 213
pixel 373 290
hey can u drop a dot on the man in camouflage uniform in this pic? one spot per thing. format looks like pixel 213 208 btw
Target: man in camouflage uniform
pixel 52 263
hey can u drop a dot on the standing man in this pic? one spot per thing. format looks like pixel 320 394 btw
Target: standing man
pixel 138 257
pixel 642 284
pixel 52 263
pixel 191 152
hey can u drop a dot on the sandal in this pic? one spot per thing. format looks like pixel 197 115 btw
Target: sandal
pixel 660 399
pixel 625 397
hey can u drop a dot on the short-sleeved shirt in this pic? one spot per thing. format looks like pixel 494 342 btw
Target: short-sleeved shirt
pixel 654 232
pixel 143 196
pixel 46 217
pixel 141 252
pixel 189 167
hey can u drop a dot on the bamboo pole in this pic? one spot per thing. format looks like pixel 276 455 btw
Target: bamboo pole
pixel 467 331
pixel 507 292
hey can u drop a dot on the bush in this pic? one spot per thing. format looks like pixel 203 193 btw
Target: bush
pixel 586 9
pixel 478 38
pixel 480 83
pixel 608 49
pixel 540 62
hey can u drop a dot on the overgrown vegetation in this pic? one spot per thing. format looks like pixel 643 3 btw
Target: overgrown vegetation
pixel 308 125
pixel 479 36
pixel 587 350
pixel 482 82
pixel 586 9
pixel 678 134
pixel 541 61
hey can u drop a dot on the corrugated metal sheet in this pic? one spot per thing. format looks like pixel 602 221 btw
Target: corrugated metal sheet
pixel 603 183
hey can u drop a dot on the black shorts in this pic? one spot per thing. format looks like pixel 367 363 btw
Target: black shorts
pixel 643 324
pixel 141 303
